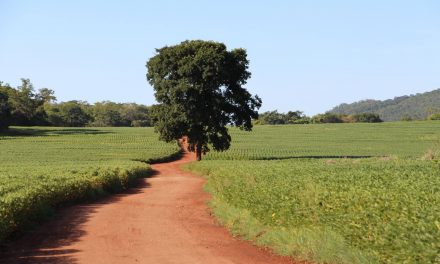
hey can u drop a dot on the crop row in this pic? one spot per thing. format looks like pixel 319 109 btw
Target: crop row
pixel 42 168
pixel 333 193
pixel 405 139
pixel 388 209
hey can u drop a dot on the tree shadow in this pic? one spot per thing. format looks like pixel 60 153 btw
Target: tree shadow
pixel 53 242
pixel 25 131
pixel 170 158
pixel 318 157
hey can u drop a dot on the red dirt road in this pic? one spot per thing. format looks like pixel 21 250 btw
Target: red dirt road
pixel 164 220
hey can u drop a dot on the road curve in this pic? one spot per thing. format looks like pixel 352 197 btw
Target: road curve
pixel 163 220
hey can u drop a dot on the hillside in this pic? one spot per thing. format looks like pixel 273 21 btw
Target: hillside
pixel 417 106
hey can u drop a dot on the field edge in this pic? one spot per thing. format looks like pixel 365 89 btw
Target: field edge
pixel 19 216
pixel 316 245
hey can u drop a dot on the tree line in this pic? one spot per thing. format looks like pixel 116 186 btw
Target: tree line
pixel 298 117
pixel 24 106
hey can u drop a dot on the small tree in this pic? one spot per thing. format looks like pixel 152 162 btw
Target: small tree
pixel 199 87
pixel 271 118
pixel 296 117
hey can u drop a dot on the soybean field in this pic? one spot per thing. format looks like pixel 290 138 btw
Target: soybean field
pixel 44 167
pixel 404 139
pixel 333 193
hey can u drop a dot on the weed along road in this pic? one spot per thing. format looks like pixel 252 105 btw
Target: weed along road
pixel 164 220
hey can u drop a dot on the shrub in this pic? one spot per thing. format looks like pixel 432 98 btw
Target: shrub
pixel 327 118
pixel 434 117
pixel 366 118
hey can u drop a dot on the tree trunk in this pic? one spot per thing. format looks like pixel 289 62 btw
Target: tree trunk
pixel 198 151
pixel 183 143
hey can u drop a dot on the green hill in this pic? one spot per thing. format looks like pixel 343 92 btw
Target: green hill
pixel 417 106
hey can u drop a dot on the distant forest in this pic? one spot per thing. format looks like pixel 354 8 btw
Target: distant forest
pixel 24 106
pixel 409 107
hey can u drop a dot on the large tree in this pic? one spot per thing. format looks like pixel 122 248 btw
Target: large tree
pixel 199 87
pixel 27 106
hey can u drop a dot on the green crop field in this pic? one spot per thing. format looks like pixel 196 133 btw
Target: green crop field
pixel 333 193
pixel 405 139
pixel 43 167
pixel 330 193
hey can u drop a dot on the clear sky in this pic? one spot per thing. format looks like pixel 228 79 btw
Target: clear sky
pixel 304 55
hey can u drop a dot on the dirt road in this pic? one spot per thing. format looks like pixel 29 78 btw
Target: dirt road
pixel 164 220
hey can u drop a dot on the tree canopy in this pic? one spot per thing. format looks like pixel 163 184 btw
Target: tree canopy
pixel 276 118
pixel 4 109
pixel 199 87
pixel 24 106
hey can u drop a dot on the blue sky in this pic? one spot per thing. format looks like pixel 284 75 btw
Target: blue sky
pixel 304 55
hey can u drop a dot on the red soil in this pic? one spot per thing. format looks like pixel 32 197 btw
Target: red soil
pixel 164 220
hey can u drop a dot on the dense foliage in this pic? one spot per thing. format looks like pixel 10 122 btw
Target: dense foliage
pixel 276 118
pixel 298 117
pixel 342 118
pixel 325 191
pixel 415 107
pixel 327 118
pixel 199 87
pixel 5 113
pixel 101 114
pixel 24 106
pixel 434 117
pixel 366 118
pixel 44 167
